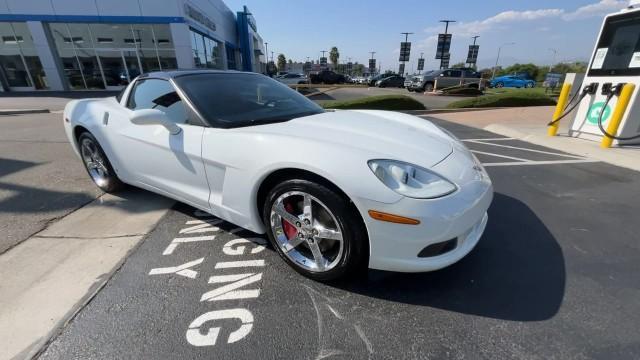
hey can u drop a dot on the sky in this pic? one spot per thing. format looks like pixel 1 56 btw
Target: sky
pixel 302 28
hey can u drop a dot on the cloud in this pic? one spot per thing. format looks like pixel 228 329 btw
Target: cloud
pixel 596 9
pixel 510 16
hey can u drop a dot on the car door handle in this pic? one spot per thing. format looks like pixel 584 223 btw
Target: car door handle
pixel 105 119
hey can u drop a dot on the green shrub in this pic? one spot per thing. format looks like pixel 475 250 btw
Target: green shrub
pixel 384 102
pixel 523 97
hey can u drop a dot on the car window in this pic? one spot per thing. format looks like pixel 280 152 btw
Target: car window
pixel 455 73
pixel 158 94
pixel 232 100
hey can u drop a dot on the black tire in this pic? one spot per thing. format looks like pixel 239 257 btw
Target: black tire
pixel 354 255
pixel 428 87
pixel 109 181
pixel 499 85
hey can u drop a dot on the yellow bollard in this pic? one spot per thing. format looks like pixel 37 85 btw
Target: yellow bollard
pixel 618 113
pixel 562 103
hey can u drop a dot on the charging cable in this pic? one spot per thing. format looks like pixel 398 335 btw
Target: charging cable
pixel 589 89
pixel 613 91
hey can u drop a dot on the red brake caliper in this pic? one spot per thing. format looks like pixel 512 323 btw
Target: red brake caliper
pixel 289 229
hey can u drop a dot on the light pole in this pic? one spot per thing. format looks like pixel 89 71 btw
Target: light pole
pixel 555 53
pixel 406 40
pixel 493 73
pixel 446 28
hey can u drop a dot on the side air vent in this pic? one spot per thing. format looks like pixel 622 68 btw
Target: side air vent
pixel 438 248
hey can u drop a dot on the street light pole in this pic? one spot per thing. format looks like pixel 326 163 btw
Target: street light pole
pixel 493 73
pixel 446 29
pixel 555 53
pixel 406 39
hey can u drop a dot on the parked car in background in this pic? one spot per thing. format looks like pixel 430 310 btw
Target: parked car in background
pixel 293 79
pixel 446 78
pixel 327 77
pixel 374 79
pixel 511 81
pixel 408 80
pixel 391 81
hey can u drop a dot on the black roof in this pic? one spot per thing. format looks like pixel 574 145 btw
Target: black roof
pixel 170 74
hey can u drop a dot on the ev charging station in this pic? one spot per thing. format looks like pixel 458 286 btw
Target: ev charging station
pixel 609 100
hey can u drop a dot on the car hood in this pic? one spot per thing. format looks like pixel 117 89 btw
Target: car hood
pixel 382 134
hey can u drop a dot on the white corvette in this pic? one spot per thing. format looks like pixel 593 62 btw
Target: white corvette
pixel 333 190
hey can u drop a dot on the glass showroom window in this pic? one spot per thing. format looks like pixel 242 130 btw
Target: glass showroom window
pixel 207 52
pixel 118 52
pixel 19 63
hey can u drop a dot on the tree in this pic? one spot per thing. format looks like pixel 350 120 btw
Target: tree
pixel 458 65
pixel 282 62
pixel 334 56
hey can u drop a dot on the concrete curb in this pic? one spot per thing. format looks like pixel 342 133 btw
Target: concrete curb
pixel 23 111
pixel 447 111
pixel 623 157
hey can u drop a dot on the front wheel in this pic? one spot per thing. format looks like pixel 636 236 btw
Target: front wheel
pixel 500 85
pixel 529 85
pixel 428 87
pixel 97 165
pixel 315 230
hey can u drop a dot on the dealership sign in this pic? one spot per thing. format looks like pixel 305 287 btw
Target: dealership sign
pixel 198 16
pixel 444 44
pixel 401 69
pixel 420 64
pixel 372 65
pixel 405 50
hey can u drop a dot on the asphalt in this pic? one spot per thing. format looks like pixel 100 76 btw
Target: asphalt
pixel 553 277
pixel 41 179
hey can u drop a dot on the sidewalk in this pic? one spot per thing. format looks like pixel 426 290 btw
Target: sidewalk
pixel 49 277
pixel 530 124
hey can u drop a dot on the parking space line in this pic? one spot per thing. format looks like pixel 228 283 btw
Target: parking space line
pixel 524 149
pixel 488 139
pixel 548 162
pixel 499 155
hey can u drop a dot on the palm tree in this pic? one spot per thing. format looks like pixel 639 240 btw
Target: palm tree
pixel 334 55
pixel 282 62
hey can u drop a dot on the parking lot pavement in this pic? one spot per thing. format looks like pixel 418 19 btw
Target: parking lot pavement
pixel 429 101
pixel 41 179
pixel 554 276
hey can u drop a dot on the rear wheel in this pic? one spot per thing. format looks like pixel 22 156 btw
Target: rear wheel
pixel 500 84
pixel 97 165
pixel 528 85
pixel 314 230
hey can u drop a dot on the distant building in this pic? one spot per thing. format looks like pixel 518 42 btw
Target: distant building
pixel 104 44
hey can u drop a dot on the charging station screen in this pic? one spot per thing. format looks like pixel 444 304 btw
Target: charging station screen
pixel 618 50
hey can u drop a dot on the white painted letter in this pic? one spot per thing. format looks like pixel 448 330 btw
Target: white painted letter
pixel 197 338
pixel 229 291
pixel 239 250
pixel 182 270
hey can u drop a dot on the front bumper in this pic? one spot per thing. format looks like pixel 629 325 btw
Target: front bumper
pixel 461 216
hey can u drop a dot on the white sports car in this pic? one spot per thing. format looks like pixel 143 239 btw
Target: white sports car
pixel 333 190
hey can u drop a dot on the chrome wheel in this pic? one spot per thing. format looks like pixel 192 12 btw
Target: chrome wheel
pixel 306 231
pixel 94 161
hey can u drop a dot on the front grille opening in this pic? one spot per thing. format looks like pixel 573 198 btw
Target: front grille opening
pixel 438 248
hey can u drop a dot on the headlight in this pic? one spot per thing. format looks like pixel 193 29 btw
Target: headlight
pixel 411 180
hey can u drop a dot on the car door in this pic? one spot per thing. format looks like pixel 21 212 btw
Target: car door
pixel 449 78
pixel 156 159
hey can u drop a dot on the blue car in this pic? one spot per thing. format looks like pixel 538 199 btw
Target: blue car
pixel 511 81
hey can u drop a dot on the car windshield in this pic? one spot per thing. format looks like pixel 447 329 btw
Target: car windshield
pixel 237 99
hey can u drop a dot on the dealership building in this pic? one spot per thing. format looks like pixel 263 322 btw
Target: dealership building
pixel 103 44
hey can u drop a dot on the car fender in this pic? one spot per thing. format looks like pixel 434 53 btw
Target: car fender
pixel 235 171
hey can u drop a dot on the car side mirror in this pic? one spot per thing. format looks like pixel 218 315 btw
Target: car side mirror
pixel 154 117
